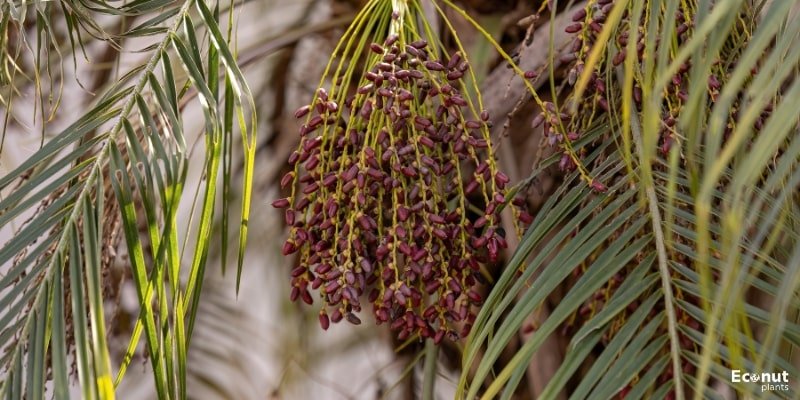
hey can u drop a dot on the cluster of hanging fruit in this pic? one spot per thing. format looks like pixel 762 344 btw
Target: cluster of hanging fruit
pixel 396 194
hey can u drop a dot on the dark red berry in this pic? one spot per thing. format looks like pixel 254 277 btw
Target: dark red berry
pixel 574 28
pixel 281 203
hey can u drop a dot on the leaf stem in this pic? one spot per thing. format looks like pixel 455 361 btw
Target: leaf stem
pixel 663 267
pixel 429 375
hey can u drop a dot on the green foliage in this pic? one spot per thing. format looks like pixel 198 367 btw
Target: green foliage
pixel 121 165
pixel 703 232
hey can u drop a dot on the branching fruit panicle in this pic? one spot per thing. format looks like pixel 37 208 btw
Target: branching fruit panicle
pixel 383 181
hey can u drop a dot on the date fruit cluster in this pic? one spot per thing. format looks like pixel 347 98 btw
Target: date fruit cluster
pixel 395 196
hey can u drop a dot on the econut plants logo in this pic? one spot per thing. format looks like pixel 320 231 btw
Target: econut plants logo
pixel 770 381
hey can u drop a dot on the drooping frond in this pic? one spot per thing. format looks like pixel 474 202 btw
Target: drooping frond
pixel 121 170
pixel 41 44
pixel 689 266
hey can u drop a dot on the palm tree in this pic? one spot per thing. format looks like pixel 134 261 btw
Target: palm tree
pixel 662 259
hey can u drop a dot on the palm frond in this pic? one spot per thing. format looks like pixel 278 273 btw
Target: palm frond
pixel 123 167
pixel 669 275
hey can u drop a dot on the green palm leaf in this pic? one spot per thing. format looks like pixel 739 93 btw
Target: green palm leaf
pixel 702 238
pixel 122 166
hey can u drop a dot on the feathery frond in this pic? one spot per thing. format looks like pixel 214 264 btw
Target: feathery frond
pixel 669 274
pixel 123 167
